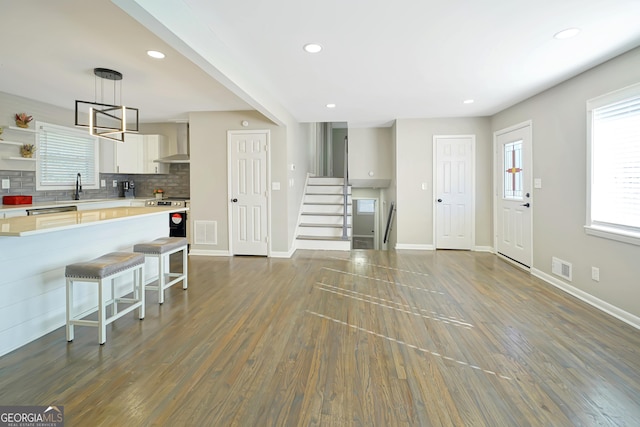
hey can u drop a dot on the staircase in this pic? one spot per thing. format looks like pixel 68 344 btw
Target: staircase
pixel 322 216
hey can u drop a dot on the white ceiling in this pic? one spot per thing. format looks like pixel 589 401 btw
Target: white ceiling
pixel 382 60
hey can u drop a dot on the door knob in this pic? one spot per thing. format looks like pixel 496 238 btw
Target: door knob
pixel 526 205
pixel 234 200
pixel 439 200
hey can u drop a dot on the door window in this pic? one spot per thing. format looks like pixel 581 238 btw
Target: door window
pixel 513 171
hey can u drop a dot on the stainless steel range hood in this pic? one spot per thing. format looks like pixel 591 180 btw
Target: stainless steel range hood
pixel 182 155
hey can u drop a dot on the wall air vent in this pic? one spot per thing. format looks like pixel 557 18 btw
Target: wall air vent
pixel 561 268
pixel 205 232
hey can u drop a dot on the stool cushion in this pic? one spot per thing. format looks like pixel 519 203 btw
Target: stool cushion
pixel 161 245
pixel 104 266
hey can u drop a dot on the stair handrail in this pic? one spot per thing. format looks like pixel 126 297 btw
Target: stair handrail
pixel 345 189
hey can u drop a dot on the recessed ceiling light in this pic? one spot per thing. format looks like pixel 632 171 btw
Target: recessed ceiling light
pixel 331 105
pixel 566 34
pixel 155 54
pixel 312 47
pixel 468 101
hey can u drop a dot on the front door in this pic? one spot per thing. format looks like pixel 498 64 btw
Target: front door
pixel 248 192
pixel 513 193
pixel 454 191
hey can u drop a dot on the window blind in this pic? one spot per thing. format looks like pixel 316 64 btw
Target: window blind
pixel 63 153
pixel 615 175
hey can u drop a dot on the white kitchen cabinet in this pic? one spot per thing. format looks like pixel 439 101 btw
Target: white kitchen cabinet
pixel 154 149
pixel 134 156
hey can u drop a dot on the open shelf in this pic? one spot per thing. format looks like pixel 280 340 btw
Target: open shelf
pixel 11 142
pixel 19 129
pixel 28 159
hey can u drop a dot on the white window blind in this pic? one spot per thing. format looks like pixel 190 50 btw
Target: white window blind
pixel 615 163
pixel 63 153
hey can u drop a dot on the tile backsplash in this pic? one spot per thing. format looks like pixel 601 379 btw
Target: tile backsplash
pixel 175 183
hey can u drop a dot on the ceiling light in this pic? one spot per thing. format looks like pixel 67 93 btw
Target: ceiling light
pixel 155 54
pixel 566 34
pixel 312 47
pixel 331 105
pixel 468 101
pixel 110 121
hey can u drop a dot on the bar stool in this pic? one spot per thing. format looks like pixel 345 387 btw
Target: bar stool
pixel 104 270
pixel 161 249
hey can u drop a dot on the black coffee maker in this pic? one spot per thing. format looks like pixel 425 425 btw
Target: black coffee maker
pixel 127 189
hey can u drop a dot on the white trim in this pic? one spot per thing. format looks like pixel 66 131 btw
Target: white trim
pixel 288 254
pixel 613 233
pixel 304 193
pixel 415 247
pixel 434 170
pixel 267 132
pixel 209 252
pixel 376 219
pixel 496 178
pixel 483 249
pixel 616 232
pixel 601 305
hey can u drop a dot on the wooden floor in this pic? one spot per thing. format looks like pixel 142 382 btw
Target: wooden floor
pixel 366 338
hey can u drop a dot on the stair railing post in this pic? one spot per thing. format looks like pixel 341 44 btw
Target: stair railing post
pixel 345 188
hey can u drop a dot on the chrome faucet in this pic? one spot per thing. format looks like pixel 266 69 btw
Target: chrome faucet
pixel 78 187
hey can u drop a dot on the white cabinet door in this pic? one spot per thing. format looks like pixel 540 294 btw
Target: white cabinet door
pixel 129 154
pixel 153 148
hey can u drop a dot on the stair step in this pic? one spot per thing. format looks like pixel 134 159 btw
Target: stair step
pixel 324 213
pixel 322 238
pixel 309 224
pixel 324 180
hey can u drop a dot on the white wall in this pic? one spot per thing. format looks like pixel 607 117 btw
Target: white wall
pixel 559 209
pixel 414 166
pixel 370 151
pixel 10 105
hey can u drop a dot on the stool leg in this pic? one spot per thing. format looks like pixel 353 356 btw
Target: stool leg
pixel 114 303
pixel 138 286
pixel 161 279
pixel 102 327
pixel 69 308
pixel 185 268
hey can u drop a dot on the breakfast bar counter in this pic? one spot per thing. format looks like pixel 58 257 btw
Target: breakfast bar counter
pixel 34 251
pixel 39 224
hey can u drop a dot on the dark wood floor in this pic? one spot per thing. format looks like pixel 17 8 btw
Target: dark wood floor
pixel 366 338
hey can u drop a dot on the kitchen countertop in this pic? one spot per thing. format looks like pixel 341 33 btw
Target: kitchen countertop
pixel 39 224
pixel 58 203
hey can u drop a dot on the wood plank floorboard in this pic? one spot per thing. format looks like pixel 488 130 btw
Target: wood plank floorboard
pixel 366 338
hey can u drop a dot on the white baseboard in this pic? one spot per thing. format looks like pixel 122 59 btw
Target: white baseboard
pixel 483 249
pixel 206 252
pixel 289 254
pixel 614 311
pixel 414 247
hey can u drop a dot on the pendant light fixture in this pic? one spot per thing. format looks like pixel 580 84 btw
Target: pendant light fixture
pixel 109 121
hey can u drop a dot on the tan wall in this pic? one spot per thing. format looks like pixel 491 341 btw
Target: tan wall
pixel 209 191
pixel 414 166
pixel 559 207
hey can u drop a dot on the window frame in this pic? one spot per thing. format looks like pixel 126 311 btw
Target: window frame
pixel 593 227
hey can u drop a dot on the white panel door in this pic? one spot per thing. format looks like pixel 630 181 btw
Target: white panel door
pixel 454 191
pixel 513 198
pixel 248 159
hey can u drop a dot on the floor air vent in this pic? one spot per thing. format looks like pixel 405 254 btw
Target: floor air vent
pixel 561 268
